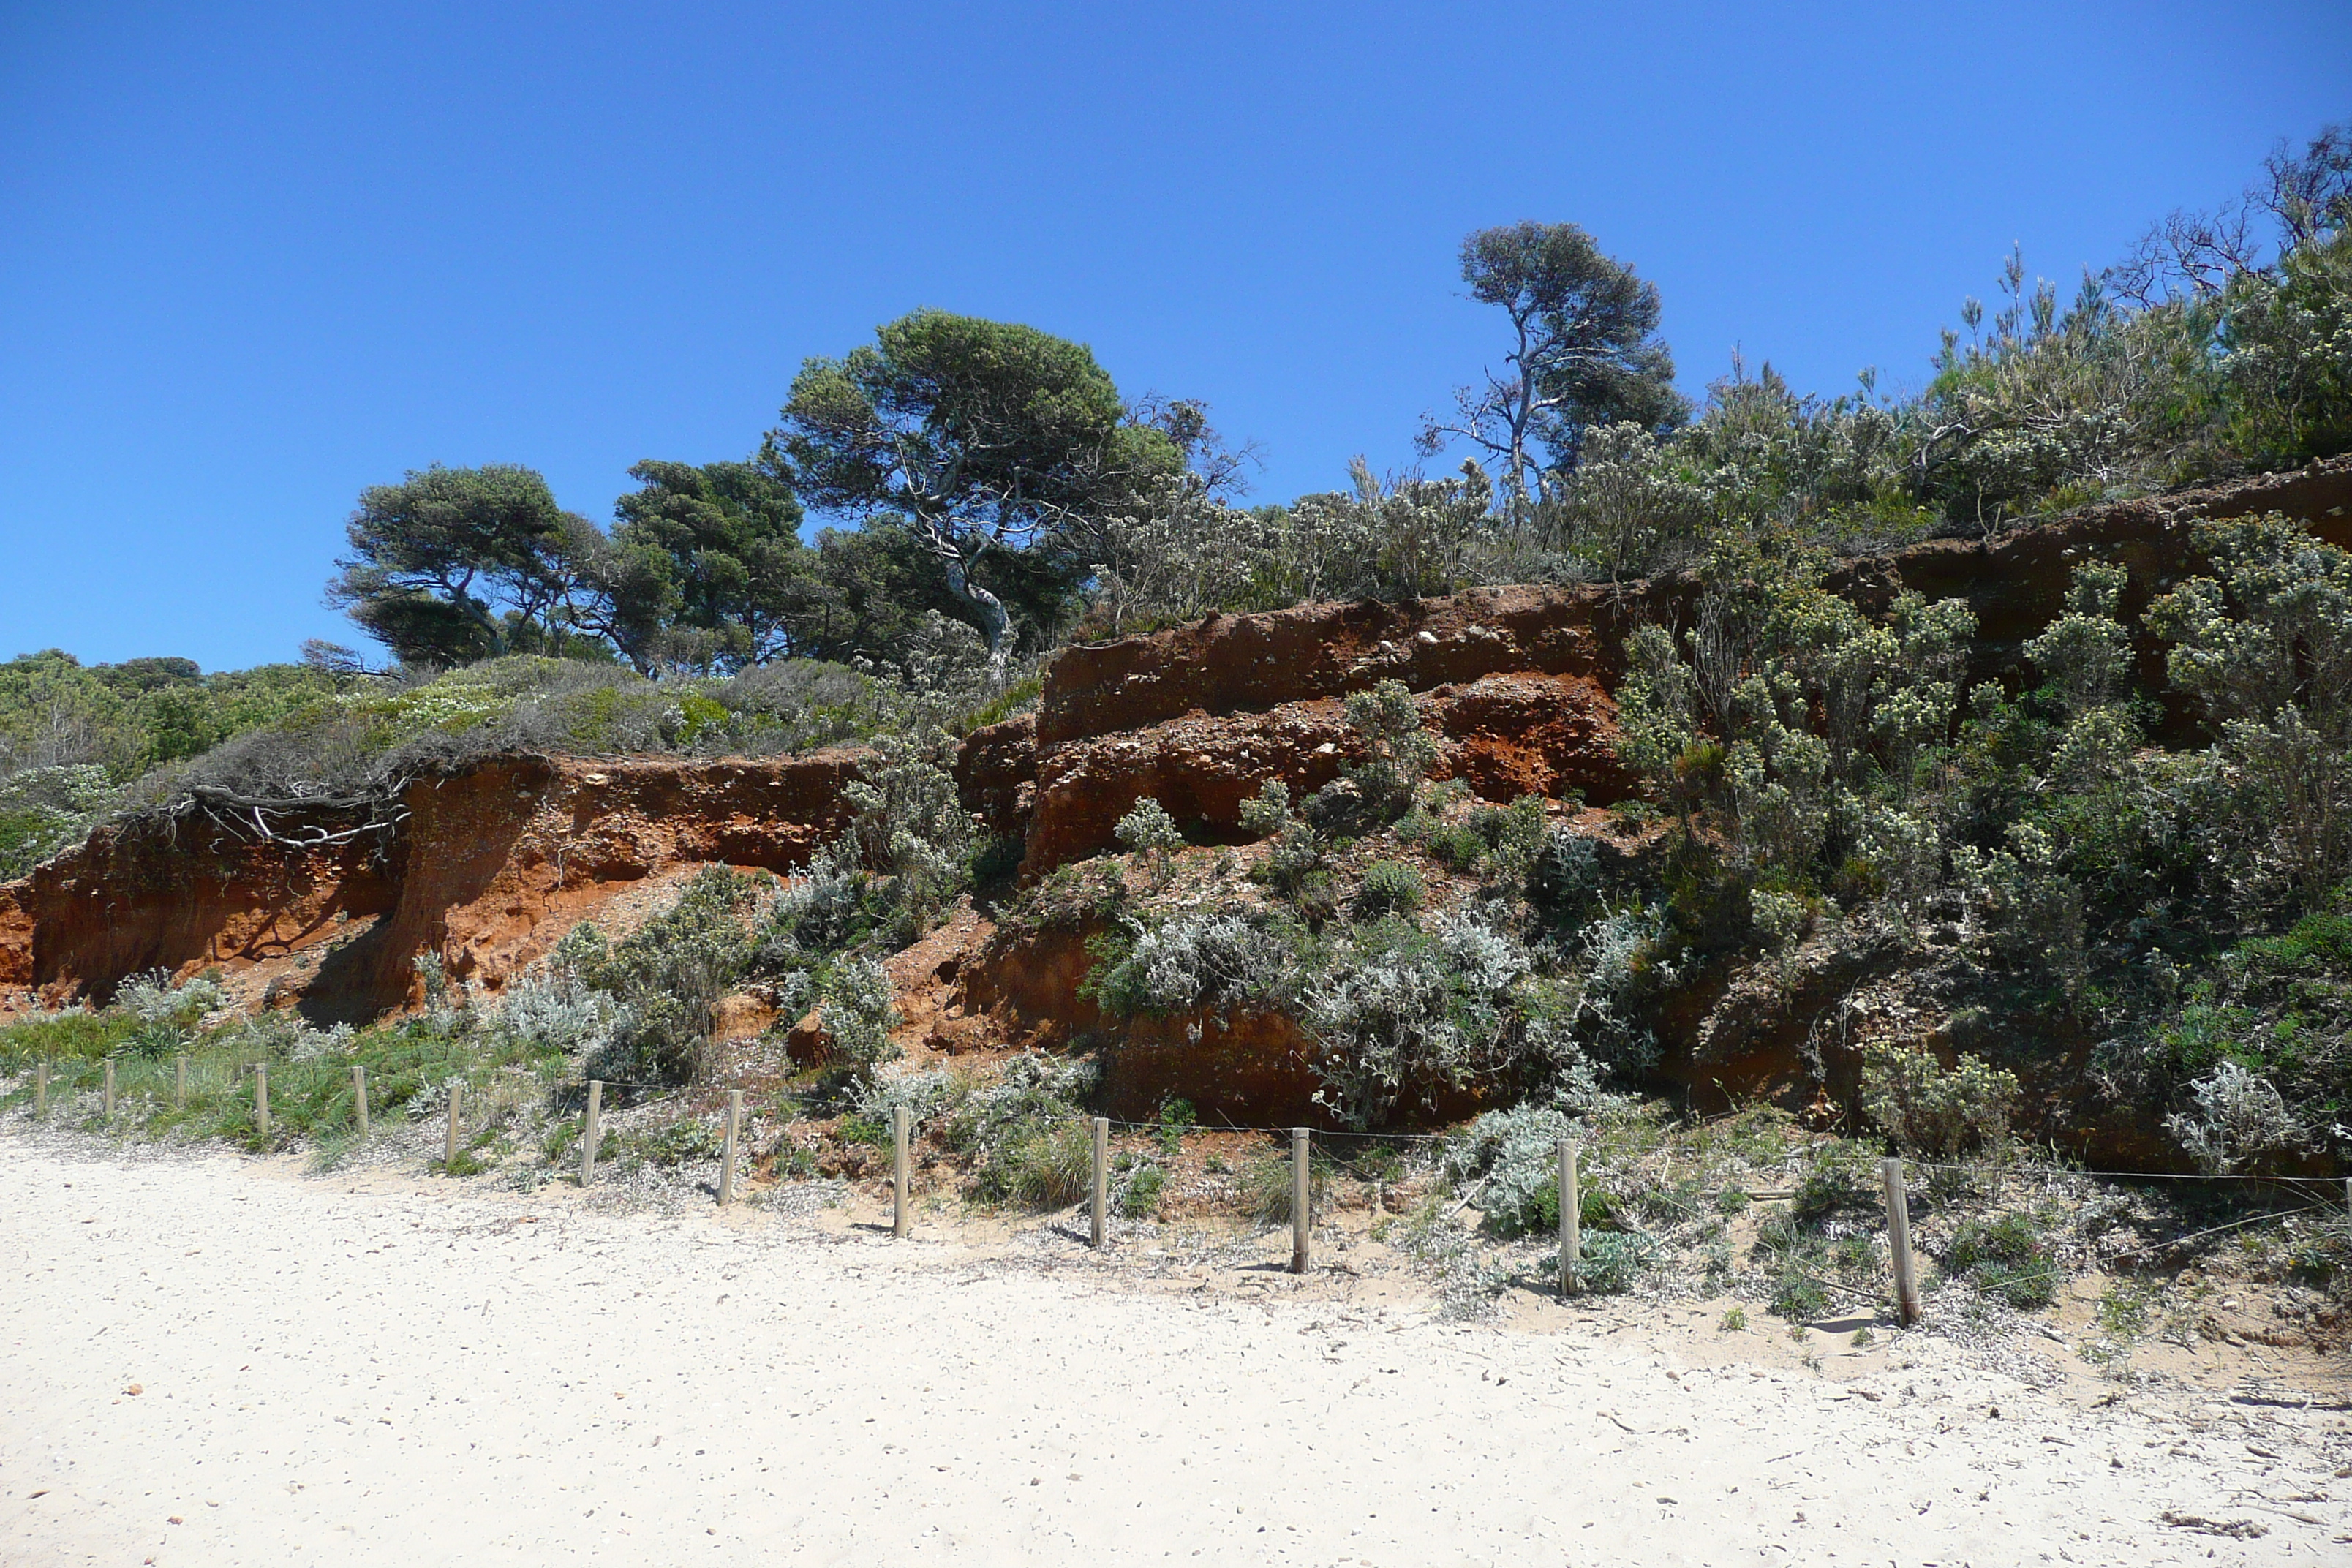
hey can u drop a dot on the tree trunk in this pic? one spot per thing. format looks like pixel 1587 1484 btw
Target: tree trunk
pixel 995 624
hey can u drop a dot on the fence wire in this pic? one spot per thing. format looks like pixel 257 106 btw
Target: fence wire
pixel 1632 1175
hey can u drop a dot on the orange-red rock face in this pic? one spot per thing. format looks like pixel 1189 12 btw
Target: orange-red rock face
pixel 130 899
pixel 493 866
pixel 1505 735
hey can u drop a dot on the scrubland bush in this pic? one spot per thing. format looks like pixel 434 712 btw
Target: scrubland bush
pixel 910 827
pixel 1394 1010
pixel 1149 831
pixel 1025 1133
pixel 859 1012
pixel 1267 812
pixel 2239 1121
pixel 2005 1258
pixel 1389 888
pixel 46 810
pixel 926 1095
pixel 1197 963
pixel 1045 1166
pixel 1513 1157
pixel 2267 650
pixel 1397 752
pixel 1840 1178
pixel 557 1010
pixel 167 1011
pixel 1929 1110
pixel 1137 1184
pixel 1609 1262
pixel 669 976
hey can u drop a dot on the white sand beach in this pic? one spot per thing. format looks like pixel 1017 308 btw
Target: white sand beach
pixel 207 1359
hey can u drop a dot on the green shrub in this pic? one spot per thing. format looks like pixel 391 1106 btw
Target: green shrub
pixel 1513 1157
pixel 996 857
pixel 1840 1177
pixel 1609 1262
pixel 1149 831
pixel 928 1097
pixel 671 975
pixel 863 1127
pixel 2239 1121
pixel 43 810
pixel 1391 888
pixel 1176 1117
pixel 1394 1010
pixel 1397 752
pixel 860 1011
pixel 910 827
pixel 2005 1258
pixel 1929 1110
pixel 74 1036
pixel 561 1139
pixel 1457 844
pixel 676 1143
pixel 1141 1184
pixel 1797 1297
pixel 1268 811
pixel 1511 838
pixel 1200 963
pixel 1033 1088
pixel 1295 859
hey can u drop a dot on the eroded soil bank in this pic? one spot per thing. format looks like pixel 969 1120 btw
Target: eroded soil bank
pixel 488 865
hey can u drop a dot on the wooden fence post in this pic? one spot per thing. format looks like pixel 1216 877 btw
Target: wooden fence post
pixel 1102 1181
pixel 109 1089
pixel 897 1170
pixel 1301 1200
pixel 180 1082
pixel 1572 1220
pixel 359 1098
pixel 588 1130
pixel 726 1155
pixel 41 1089
pixel 449 1146
pixel 261 1097
pixel 1898 1242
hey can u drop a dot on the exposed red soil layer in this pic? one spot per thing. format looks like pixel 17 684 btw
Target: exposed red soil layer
pixel 494 864
pixel 1236 664
pixel 996 774
pixel 1505 735
pixel 137 897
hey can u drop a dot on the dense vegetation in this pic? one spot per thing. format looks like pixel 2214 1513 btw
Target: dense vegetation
pixel 1829 804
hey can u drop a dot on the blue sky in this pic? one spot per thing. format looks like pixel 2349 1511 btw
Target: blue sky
pixel 254 258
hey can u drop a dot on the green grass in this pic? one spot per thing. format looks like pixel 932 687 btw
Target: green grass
pixel 2006 1259
pixel 1140 1198
pixel 1038 1165
pixel 312 1098
pixel 1265 1186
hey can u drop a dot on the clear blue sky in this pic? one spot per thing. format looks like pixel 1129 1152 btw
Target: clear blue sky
pixel 254 258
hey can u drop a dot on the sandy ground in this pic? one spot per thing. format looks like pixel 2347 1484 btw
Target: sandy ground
pixel 206 1359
